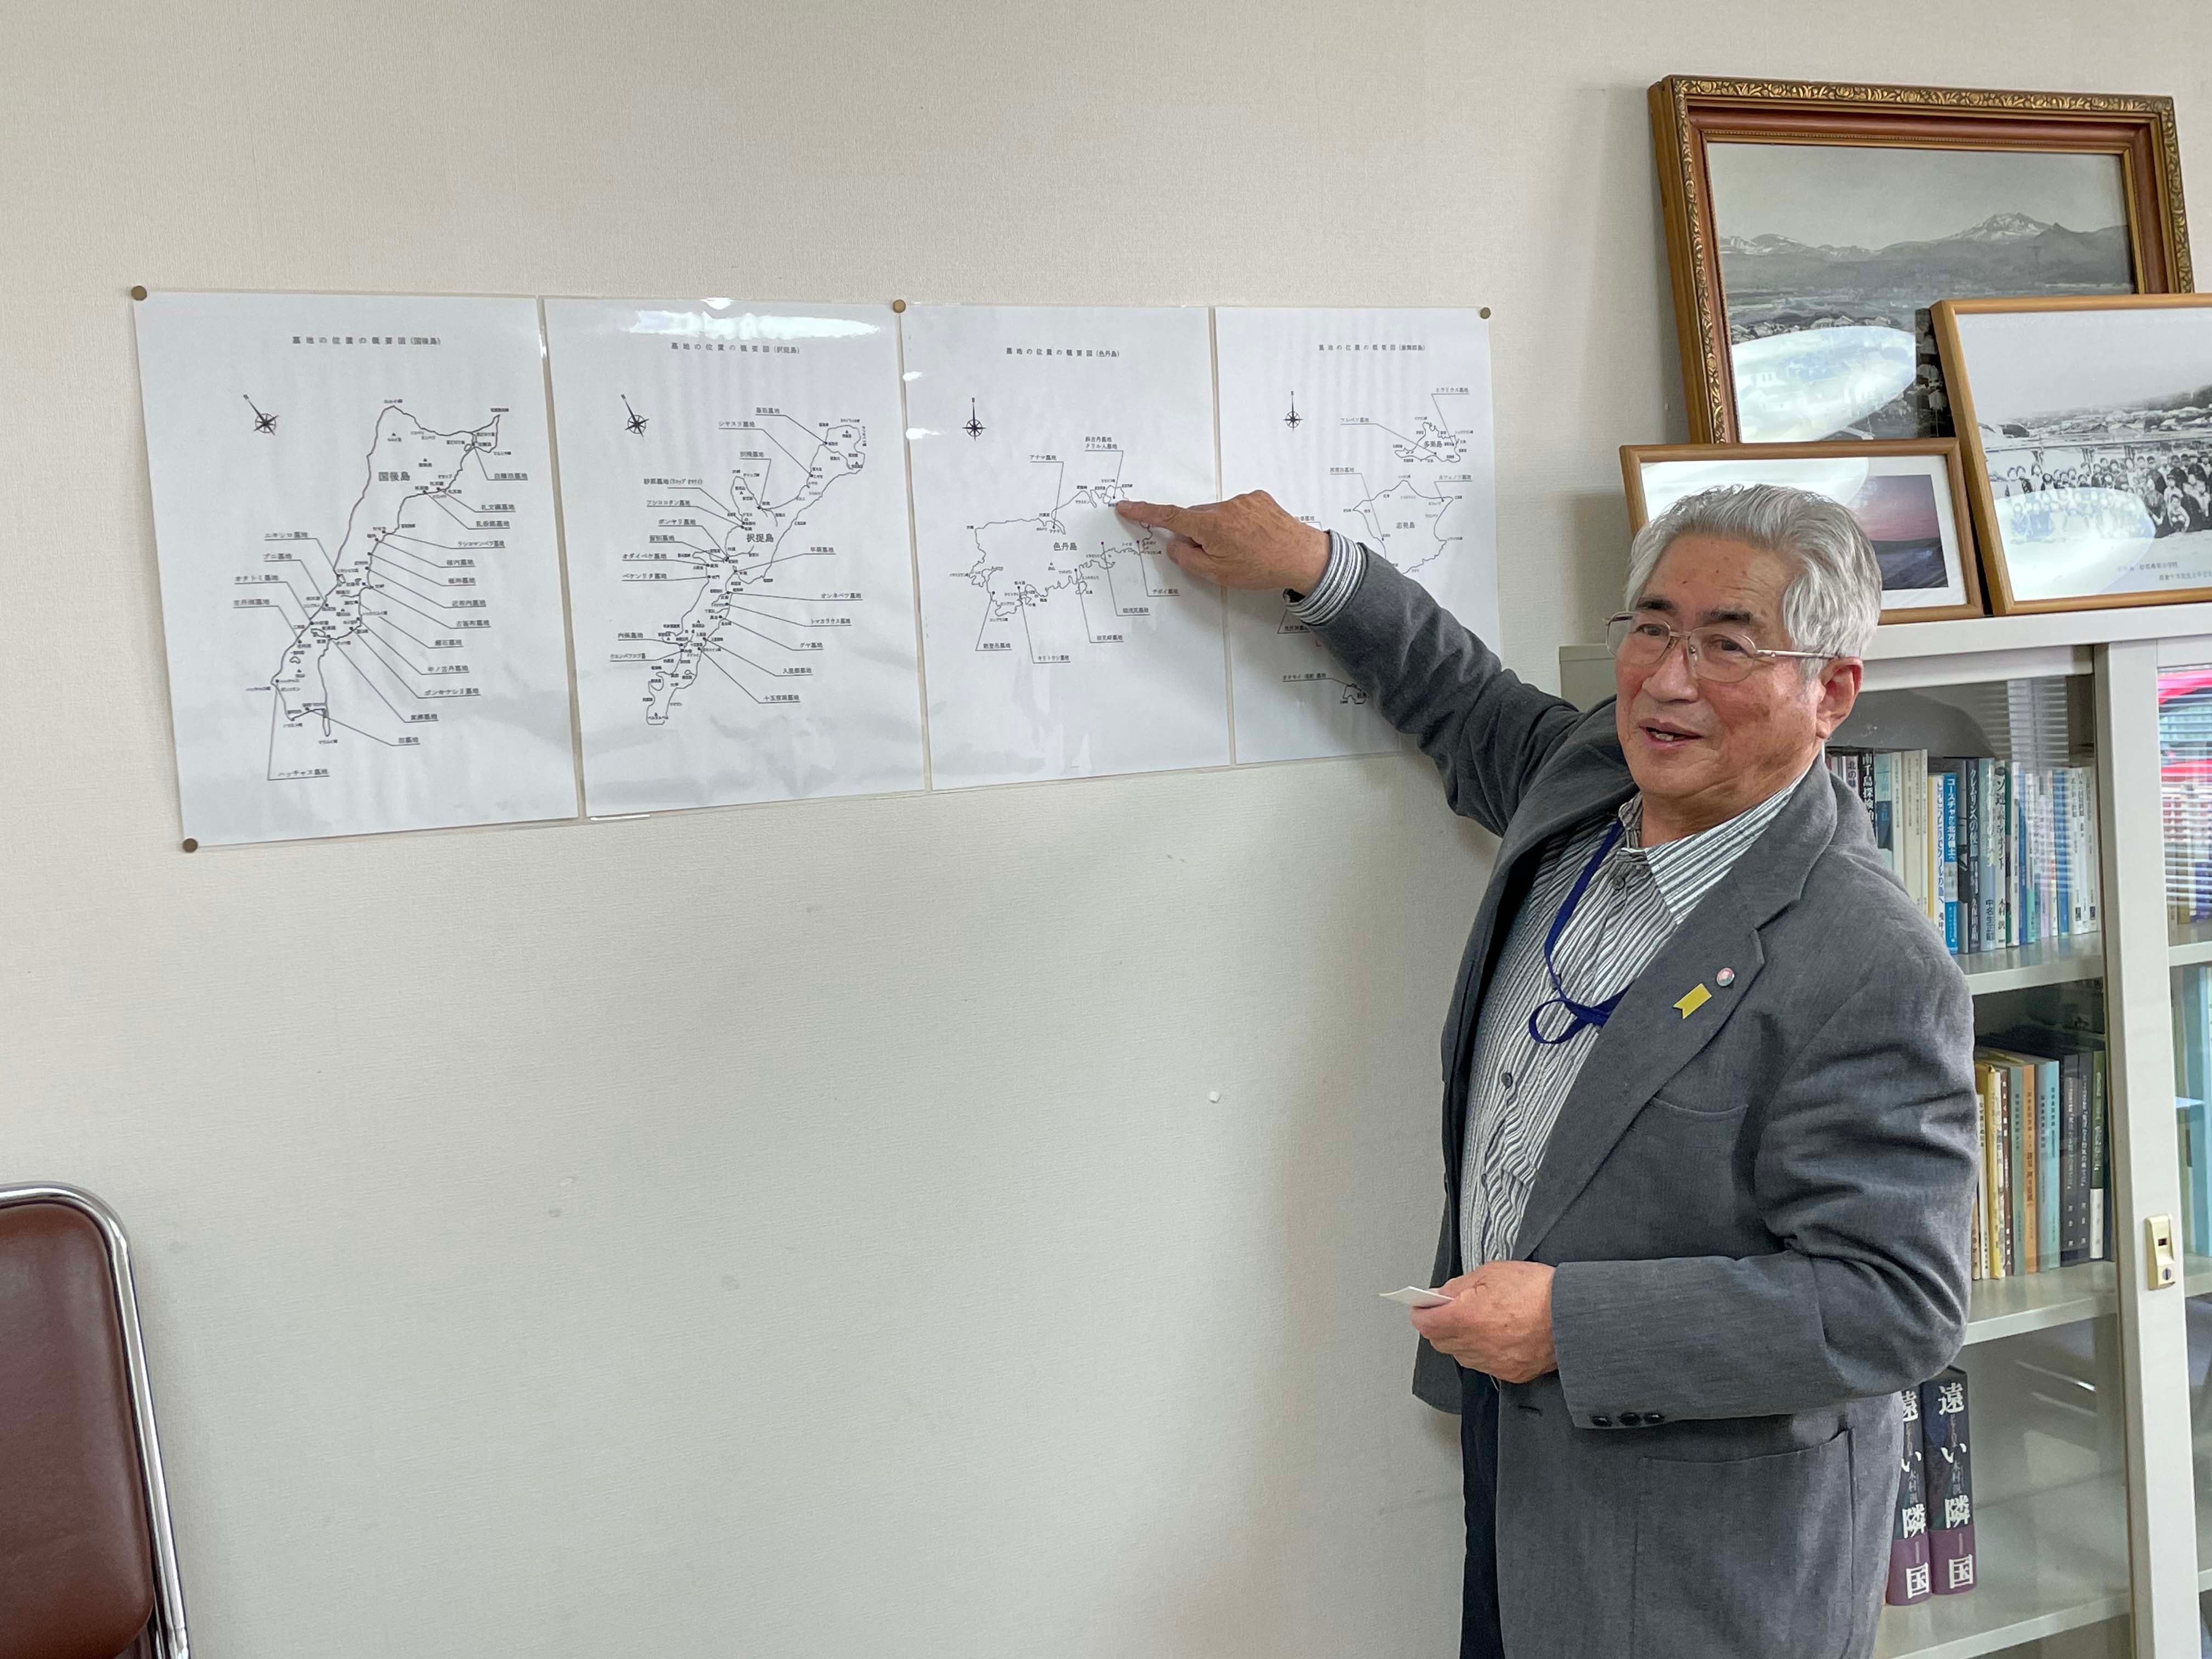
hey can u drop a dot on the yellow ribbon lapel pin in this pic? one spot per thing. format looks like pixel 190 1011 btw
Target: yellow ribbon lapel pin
pixel 1696 998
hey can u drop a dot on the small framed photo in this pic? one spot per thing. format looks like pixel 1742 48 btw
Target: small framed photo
pixel 2086 424
pixel 1811 227
pixel 1908 495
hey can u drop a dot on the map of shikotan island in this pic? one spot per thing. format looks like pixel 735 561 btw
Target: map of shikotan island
pixel 1405 501
pixel 379 624
pixel 1404 505
pixel 737 542
pixel 1069 576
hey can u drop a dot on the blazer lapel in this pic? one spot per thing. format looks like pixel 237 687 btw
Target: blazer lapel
pixel 1593 778
pixel 1664 1021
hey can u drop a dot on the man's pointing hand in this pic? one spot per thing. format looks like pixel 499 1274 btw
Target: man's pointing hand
pixel 1247 541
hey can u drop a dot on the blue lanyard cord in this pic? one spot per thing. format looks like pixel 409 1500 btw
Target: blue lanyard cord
pixel 1579 1014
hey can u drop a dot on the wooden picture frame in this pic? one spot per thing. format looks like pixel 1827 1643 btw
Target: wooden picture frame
pixel 1689 113
pixel 1772 463
pixel 2100 468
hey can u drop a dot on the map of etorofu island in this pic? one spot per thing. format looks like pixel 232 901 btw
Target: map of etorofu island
pixel 383 619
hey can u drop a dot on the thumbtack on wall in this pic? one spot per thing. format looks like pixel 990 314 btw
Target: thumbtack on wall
pixel 191 846
pixel 899 304
pixel 138 292
pixel 1484 313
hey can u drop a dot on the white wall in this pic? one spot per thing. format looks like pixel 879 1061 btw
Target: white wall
pixel 804 1231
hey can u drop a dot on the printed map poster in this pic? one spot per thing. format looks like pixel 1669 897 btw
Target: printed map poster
pixel 361 576
pixel 1058 641
pixel 740 572
pixel 1377 424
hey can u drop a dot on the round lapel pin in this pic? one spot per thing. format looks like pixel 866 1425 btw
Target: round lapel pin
pixel 1726 976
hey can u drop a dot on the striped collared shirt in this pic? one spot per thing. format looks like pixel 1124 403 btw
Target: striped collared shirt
pixel 1515 1085
pixel 1348 562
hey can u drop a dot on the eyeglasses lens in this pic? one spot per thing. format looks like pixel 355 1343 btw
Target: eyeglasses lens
pixel 1716 653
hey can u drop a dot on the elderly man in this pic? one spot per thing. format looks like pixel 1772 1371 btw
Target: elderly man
pixel 1709 1152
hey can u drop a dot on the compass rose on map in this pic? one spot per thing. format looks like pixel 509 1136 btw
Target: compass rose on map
pixel 973 426
pixel 261 422
pixel 636 424
pixel 1294 420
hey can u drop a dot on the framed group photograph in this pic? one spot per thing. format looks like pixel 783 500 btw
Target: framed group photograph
pixel 2087 427
pixel 1811 228
pixel 1908 495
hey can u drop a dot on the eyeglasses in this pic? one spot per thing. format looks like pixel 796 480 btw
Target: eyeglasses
pixel 1719 654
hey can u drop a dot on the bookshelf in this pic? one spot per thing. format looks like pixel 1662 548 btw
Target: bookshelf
pixel 2036 1302
pixel 2066 961
pixel 2084 1387
pixel 2028 1590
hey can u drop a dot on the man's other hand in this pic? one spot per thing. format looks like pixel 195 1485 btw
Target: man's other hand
pixel 1499 1321
pixel 1247 541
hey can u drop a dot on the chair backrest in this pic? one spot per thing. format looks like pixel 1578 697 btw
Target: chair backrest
pixel 87 1565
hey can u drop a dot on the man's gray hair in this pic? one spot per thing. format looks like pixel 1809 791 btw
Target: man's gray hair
pixel 1834 601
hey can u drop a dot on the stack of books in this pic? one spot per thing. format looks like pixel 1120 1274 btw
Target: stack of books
pixel 1931 1535
pixel 1997 854
pixel 2044 1197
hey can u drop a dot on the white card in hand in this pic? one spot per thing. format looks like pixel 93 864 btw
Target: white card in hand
pixel 1414 1296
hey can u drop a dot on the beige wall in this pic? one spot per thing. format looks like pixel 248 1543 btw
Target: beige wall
pixel 806 1231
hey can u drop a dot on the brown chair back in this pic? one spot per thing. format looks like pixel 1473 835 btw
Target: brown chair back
pixel 82 1562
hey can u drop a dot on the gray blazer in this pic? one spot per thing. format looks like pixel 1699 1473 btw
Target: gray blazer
pixel 1758 1212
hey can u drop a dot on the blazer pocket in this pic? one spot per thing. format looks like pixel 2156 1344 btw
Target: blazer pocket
pixel 1751 1558
pixel 1704 1110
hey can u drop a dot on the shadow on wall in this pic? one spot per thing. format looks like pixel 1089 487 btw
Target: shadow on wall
pixel 1600 535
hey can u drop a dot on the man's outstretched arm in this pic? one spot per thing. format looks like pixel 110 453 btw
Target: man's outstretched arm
pixel 1487 730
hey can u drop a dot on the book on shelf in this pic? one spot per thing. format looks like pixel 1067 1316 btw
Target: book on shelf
pixel 1996 913
pixel 2186 805
pixel 1948 1482
pixel 2041 1198
pixel 1993 1190
pixel 1908 1523
pixel 2100 1155
pixel 1978 1236
pixel 2193 1074
pixel 1997 854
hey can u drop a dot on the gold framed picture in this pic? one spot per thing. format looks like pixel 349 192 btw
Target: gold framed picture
pixel 1908 495
pixel 1811 227
pixel 2086 425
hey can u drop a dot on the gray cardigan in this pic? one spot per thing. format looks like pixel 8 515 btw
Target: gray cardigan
pixel 1758 1212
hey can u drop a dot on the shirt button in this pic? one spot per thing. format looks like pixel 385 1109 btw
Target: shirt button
pixel 1505 1077
pixel 1629 1420
pixel 1650 1418
pixel 1597 1422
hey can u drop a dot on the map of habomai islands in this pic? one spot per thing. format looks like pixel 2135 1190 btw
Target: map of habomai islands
pixel 379 625
pixel 1407 517
pixel 1050 587
pixel 1403 505
pixel 739 542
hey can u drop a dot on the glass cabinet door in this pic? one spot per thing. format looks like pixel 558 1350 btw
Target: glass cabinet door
pixel 1983 798
pixel 2184 733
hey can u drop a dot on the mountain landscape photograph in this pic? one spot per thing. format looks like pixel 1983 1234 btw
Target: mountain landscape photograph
pixel 1775 283
pixel 1818 236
